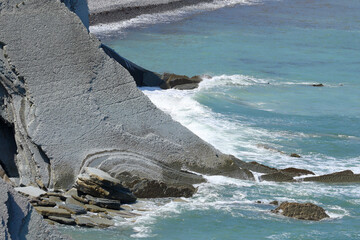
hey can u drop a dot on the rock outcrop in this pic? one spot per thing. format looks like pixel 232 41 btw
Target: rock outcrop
pixel 303 211
pixel 66 105
pixel 180 82
pixel 19 220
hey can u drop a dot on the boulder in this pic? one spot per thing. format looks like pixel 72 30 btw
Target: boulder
pixel 295 155
pixel 274 202
pixel 296 172
pixel 73 208
pixel 104 203
pixel 276 177
pixel 30 191
pixel 49 211
pixel 304 211
pixel 62 220
pixel 346 176
pixel 100 184
pixel 172 80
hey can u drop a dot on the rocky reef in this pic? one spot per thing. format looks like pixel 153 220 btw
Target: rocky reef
pixel 302 211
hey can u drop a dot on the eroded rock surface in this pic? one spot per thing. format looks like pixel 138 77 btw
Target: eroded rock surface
pixel 346 176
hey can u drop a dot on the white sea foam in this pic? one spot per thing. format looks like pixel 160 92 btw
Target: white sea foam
pixel 165 17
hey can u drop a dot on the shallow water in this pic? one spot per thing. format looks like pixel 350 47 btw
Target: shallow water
pixel 263 57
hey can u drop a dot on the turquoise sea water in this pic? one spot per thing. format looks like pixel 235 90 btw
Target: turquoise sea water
pixel 263 58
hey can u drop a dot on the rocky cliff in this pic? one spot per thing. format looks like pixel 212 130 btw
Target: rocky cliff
pixel 66 105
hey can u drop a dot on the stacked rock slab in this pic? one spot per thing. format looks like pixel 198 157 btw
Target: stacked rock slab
pixel 19 220
pixel 71 106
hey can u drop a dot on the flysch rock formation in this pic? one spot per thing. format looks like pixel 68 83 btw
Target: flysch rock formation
pixel 19 220
pixel 66 105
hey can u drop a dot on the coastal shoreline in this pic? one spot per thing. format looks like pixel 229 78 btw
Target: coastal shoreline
pixel 112 11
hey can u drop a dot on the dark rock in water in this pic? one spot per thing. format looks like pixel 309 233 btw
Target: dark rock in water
pixel 304 211
pixel 295 155
pixel 73 208
pixel 259 202
pixel 276 177
pixel 274 202
pixel 66 221
pixel 173 80
pixel 188 86
pixel 318 85
pixel 295 172
pixel 338 177
pixel 156 189
pixel 100 184
pixel 104 203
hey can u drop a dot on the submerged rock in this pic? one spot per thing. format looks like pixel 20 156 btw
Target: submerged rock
pixel 318 85
pixel 100 184
pixel 346 176
pixel 303 211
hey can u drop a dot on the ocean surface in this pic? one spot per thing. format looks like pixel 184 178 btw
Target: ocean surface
pixel 259 60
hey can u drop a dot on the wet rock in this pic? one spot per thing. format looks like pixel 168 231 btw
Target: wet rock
pixel 295 172
pixel 304 211
pixel 62 220
pixel 176 81
pixel 317 85
pixel 258 202
pixel 276 177
pixel 49 211
pixel 338 177
pixel 100 184
pixel 30 191
pixel 104 203
pixel 295 155
pixel 156 189
pixel 274 202
pixel 73 208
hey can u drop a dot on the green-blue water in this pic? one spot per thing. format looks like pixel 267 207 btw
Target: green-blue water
pixel 263 59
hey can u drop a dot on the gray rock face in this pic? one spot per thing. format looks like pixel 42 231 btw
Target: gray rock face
pixel 70 106
pixel 19 220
